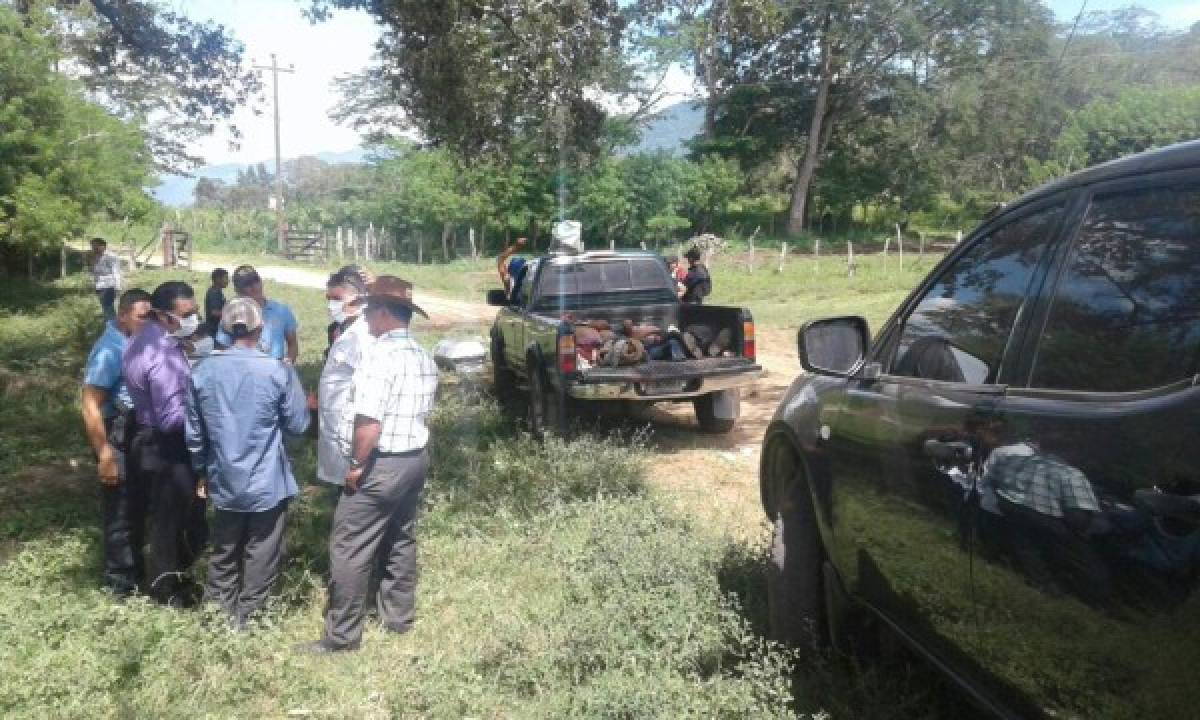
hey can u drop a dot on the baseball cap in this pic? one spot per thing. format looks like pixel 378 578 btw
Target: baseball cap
pixel 241 311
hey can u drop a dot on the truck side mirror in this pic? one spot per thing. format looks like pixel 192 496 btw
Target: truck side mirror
pixel 497 298
pixel 834 346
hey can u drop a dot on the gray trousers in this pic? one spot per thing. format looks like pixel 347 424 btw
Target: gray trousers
pixel 374 528
pixel 247 552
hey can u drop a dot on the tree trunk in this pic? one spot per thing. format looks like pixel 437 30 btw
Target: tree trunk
pixel 445 242
pixel 808 166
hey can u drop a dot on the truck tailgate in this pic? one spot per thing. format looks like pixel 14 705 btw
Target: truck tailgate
pixel 664 370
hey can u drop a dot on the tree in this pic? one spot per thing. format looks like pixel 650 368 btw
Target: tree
pixel 63 158
pixel 1138 119
pixel 605 200
pixel 149 65
pixel 485 76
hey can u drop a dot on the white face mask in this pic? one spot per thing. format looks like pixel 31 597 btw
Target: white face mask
pixel 337 310
pixel 187 325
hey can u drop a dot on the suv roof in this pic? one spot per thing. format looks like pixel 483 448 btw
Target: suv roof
pixel 1173 157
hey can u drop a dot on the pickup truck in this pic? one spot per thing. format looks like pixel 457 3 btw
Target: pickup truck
pixel 533 341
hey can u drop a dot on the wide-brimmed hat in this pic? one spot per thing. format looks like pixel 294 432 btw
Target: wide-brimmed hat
pixel 395 290
pixel 241 311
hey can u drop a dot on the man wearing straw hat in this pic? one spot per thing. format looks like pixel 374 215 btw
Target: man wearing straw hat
pixel 384 434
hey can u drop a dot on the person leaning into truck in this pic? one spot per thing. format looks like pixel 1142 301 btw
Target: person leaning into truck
pixel 697 284
pixel 511 269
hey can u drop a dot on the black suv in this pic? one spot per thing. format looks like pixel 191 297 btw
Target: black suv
pixel 1008 475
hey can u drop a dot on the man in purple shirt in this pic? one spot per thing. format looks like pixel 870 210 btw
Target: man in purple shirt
pixel 156 373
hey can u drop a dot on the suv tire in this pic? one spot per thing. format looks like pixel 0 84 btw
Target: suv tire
pixel 795 588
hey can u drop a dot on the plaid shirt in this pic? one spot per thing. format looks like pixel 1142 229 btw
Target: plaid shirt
pixel 106 272
pixel 394 383
pixel 1043 483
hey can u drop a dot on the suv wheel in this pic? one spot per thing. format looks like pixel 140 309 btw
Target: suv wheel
pixel 795 587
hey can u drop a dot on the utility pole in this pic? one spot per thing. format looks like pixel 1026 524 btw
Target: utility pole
pixel 279 224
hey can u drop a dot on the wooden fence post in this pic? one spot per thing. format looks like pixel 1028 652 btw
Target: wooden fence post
pixel 920 248
pixel 751 265
pixel 62 260
pixel 471 239
pixel 817 254
pixel 900 245
pixel 782 256
pixel 612 245
pixel 851 266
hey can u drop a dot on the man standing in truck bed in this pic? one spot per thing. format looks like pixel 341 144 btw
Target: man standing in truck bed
pixel 696 284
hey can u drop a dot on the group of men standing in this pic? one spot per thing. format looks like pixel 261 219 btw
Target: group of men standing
pixel 172 434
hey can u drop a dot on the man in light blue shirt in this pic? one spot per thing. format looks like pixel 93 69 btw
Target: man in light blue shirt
pixel 240 404
pixel 278 339
pixel 106 410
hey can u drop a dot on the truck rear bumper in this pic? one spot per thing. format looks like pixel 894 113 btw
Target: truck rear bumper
pixel 679 388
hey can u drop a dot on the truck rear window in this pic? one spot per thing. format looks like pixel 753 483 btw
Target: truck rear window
pixel 604 282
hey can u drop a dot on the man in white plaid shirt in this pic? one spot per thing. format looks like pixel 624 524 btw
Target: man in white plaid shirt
pixel 384 434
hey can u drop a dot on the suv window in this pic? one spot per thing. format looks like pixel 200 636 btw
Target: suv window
pixel 958 331
pixel 1126 315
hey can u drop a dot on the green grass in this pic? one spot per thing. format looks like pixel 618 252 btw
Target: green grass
pixel 553 584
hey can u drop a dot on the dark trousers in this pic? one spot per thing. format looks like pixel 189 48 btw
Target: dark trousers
pixel 124 529
pixel 178 528
pixel 108 300
pixel 247 553
pixel 374 528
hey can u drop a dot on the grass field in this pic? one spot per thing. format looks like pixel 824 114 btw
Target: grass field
pixel 556 580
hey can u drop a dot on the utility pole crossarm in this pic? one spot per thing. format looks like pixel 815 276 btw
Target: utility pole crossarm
pixel 279 223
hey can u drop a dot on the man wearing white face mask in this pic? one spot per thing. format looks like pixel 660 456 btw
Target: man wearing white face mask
pixel 156 374
pixel 346 293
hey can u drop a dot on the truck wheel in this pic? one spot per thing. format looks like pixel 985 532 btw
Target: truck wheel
pixel 795 588
pixel 504 380
pixel 546 415
pixel 706 406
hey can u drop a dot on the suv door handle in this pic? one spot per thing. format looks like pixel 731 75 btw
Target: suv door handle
pixel 1168 505
pixel 949 452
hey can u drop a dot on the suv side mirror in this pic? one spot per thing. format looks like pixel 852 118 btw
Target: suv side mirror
pixel 497 298
pixel 834 346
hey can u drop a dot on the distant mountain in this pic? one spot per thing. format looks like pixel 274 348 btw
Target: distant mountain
pixel 176 190
pixel 670 129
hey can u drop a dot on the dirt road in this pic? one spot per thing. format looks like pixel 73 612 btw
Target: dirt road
pixel 446 313
pixel 714 477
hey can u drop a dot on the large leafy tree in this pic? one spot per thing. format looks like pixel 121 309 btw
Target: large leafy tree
pixel 62 158
pixel 149 64
pixel 488 76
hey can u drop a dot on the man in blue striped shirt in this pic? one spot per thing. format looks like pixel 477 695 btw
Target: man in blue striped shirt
pixel 240 404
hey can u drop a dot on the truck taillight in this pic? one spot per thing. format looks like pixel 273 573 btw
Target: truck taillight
pixel 748 350
pixel 566 353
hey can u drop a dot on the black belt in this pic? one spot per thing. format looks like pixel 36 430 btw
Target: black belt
pixel 407 453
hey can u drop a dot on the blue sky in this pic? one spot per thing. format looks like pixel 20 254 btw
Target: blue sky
pixel 344 45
